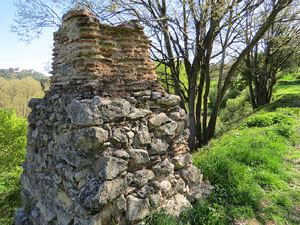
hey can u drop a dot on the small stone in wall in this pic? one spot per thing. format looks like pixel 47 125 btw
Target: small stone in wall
pixel 121 154
pixel 119 136
pixel 141 177
pixel 138 113
pixel 182 161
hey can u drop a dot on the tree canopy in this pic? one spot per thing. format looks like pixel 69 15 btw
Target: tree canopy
pixel 16 93
pixel 16 73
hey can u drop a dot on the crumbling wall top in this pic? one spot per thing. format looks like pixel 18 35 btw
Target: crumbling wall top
pixel 91 58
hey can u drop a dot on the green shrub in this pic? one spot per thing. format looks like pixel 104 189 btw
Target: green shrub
pixel 285 130
pixel 12 152
pixel 268 119
pixel 289 111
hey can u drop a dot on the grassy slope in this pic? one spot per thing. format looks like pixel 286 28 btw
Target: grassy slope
pixel 255 169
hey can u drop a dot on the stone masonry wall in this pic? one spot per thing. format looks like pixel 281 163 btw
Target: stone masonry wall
pixel 110 60
pixel 102 150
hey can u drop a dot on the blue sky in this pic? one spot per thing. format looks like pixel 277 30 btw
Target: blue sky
pixel 18 54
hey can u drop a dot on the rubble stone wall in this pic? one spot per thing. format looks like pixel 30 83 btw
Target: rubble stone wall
pixel 102 150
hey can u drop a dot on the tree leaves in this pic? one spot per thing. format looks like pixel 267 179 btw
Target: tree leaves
pixel 12 140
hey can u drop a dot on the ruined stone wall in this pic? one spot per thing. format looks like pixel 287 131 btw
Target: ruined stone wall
pixel 109 60
pixel 100 150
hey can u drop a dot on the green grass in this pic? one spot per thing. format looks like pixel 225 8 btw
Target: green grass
pixel 286 92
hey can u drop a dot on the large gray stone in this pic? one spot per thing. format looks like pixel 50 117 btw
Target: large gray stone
pixel 109 168
pixel 158 146
pixel 176 205
pixel 182 161
pixel 139 156
pixel 159 119
pixel 169 128
pixel 90 137
pixel 111 190
pixel 142 136
pixel 99 194
pixel 118 108
pixel 21 218
pixel 85 112
pixel 141 177
pixel 136 113
pixel 156 199
pixel 34 102
pixel 166 167
pixel 169 100
pixel 84 138
pixel 119 136
pixel 137 208
pixel 63 218
pixel 191 175
pixel 121 154
pixel 145 191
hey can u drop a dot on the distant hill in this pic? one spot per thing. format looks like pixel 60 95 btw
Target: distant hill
pixel 16 73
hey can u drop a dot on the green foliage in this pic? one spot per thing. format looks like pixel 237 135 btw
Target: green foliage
pixel 268 119
pixel 287 92
pixel 13 132
pixel 10 201
pixel 165 78
pixel 15 94
pixel 12 73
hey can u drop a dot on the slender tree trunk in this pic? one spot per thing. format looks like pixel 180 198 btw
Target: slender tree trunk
pixel 199 132
pixel 192 119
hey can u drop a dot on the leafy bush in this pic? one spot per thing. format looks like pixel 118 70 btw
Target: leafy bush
pixel 12 152
pixel 289 111
pixel 13 132
pixel 268 119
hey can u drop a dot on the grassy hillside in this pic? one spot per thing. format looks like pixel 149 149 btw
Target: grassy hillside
pixel 254 168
